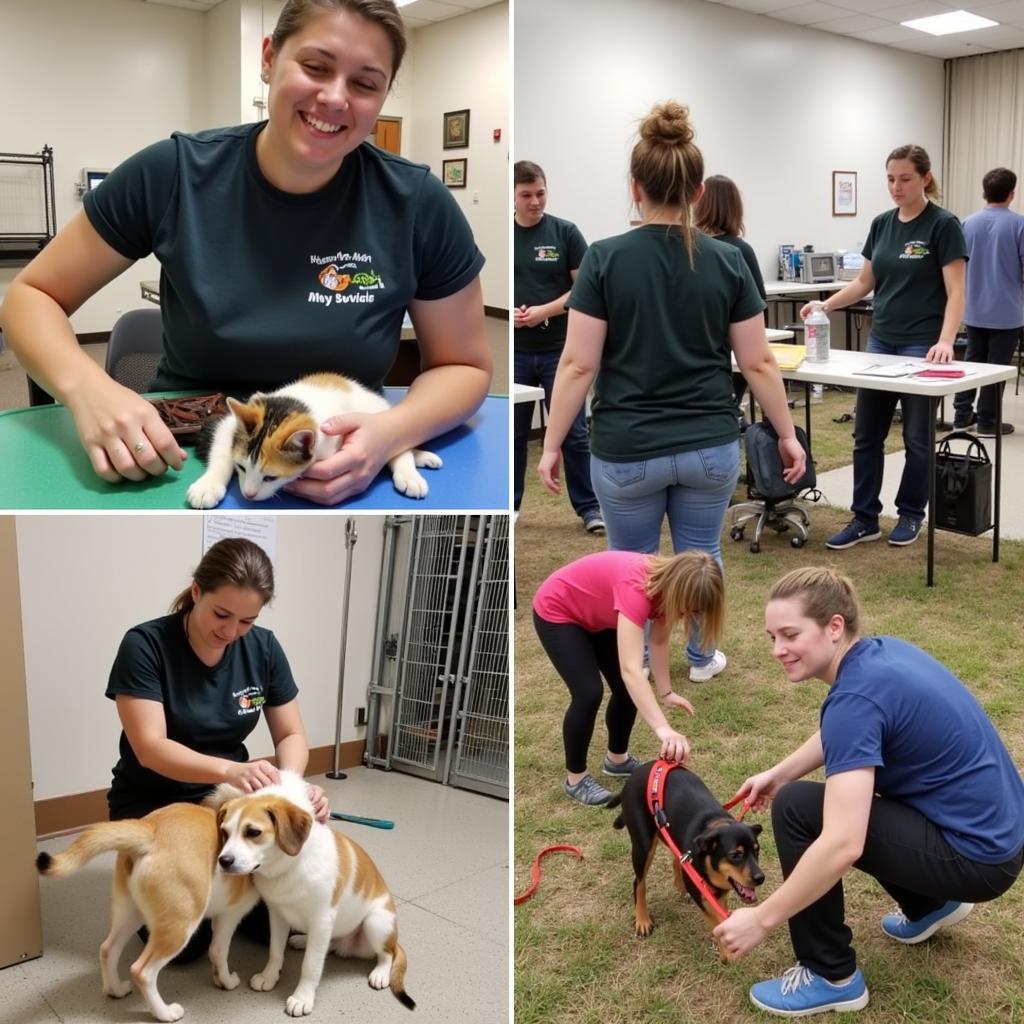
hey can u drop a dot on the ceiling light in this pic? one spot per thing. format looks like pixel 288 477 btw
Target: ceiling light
pixel 947 24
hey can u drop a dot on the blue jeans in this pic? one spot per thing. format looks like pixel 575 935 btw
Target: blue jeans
pixel 692 488
pixel 537 369
pixel 985 345
pixel 872 420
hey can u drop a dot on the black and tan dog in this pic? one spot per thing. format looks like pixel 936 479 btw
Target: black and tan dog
pixel 724 850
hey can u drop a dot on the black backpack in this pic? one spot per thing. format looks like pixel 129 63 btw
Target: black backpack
pixel 764 464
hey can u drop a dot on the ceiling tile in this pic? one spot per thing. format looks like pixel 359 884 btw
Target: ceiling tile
pixel 852 23
pixel 807 14
pixel 889 34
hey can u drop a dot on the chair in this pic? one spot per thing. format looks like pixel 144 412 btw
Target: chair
pixel 135 346
pixel 771 502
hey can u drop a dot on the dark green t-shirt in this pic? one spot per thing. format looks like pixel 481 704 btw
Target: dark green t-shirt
pixel 907 261
pixel 260 286
pixel 665 381
pixel 543 258
pixel 209 710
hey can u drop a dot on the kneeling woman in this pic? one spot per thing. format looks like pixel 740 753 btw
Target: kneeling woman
pixel 590 617
pixel 919 792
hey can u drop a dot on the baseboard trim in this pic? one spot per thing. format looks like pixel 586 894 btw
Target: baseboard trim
pixel 496 311
pixel 60 815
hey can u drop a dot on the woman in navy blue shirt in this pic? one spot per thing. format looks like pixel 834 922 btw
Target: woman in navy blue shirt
pixel 919 792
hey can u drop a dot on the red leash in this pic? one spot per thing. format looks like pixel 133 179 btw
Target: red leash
pixel 535 869
pixel 655 790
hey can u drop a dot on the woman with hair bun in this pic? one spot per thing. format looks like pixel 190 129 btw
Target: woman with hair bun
pixel 653 316
pixel 919 792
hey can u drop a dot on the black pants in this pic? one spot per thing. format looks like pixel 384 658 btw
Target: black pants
pixel 581 659
pixel 986 345
pixel 255 925
pixel 903 850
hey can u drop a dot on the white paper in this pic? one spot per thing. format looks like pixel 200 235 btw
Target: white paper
pixel 888 370
pixel 261 530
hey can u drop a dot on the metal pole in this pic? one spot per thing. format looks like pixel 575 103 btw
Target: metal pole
pixel 350 542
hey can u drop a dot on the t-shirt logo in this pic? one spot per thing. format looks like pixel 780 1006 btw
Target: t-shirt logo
pixel 546 254
pixel 915 251
pixel 250 700
pixel 347 277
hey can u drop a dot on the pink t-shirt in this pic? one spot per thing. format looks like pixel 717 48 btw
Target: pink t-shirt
pixel 593 590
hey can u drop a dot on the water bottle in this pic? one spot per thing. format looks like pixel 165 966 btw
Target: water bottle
pixel 817 335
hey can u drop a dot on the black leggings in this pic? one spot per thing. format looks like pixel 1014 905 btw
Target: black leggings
pixel 581 658
pixel 903 850
pixel 255 925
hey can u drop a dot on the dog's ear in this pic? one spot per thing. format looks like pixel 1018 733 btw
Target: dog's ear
pixel 705 843
pixel 292 825
pixel 757 829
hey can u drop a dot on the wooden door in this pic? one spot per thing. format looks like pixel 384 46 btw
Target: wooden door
pixel 22 936
pixel 387 134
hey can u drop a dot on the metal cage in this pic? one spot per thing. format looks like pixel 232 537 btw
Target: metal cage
pixel 450 707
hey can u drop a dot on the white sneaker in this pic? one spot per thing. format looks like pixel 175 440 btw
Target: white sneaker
pixel 702 673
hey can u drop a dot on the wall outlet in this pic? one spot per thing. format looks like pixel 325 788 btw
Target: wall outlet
pixel 360 716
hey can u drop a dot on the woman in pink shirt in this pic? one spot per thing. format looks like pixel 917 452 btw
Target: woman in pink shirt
pixel 590 617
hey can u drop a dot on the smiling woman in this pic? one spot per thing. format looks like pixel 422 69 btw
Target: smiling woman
pixel 243 221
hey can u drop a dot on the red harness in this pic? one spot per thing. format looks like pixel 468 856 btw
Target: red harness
pixel 655 790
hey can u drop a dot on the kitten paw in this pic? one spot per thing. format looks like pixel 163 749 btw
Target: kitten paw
pixel 297 941
pixel 412 485
pixel 227 981
pixel 300 1002
pixel 118 989
pixel 206 493
pixel 264 982
pixel 427 459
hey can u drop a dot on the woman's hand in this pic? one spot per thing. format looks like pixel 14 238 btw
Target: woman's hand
pixel 794 459
pixel 673 700
pixel 740 932
pixel 317 797
pixel 674 746
pixel 940 352
pixel 808 308
pixel 366 446
pixel 122 433
pixel 759 789
pixel 550 464
pixel 248 776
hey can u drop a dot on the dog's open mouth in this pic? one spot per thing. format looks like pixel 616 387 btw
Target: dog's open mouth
pixel 745 894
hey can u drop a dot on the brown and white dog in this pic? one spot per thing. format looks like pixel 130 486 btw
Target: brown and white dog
pixel 314 880
pixel 165 877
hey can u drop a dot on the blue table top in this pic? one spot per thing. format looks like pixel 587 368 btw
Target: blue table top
pixel 45 467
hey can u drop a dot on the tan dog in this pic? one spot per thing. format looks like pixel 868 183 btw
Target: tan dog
pixel 165 877
pixel 316 881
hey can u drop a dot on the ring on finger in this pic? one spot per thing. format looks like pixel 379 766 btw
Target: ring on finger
pixel 140 447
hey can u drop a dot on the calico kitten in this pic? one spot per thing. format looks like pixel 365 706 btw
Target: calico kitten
pixel 273 438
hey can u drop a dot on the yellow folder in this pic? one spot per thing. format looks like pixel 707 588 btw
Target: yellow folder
pixel 789 357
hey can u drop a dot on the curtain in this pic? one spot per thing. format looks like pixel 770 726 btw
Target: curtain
pixel 984 125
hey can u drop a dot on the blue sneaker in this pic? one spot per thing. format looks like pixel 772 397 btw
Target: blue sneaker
pixel 897 927
pixel 800 992
pixel 854 532
pixel 619 769
pixel 906 531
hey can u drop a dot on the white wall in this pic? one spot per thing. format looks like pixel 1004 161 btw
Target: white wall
pixel 463 63
pixel 777 108
pixel 87 579
pixel 97 81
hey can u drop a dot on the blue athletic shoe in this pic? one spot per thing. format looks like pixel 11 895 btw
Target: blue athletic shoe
pixel 800 992
pixel 905 532
pixel 854 532
pixel 897 927
pixel 620 769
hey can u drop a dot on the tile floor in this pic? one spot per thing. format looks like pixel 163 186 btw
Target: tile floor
pixel 446 861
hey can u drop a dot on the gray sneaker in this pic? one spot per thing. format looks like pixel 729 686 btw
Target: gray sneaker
pixel 587 791
pixel 617 770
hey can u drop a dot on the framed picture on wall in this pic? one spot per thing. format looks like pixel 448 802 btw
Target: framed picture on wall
pixel 453 173
pixel 456 129
pixel 844 193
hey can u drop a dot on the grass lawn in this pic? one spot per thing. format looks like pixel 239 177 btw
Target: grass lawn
pixel 576 958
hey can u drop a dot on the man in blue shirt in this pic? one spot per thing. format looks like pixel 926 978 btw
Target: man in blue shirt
pixel 994 312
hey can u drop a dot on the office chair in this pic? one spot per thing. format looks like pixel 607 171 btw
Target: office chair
pixel 135 346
